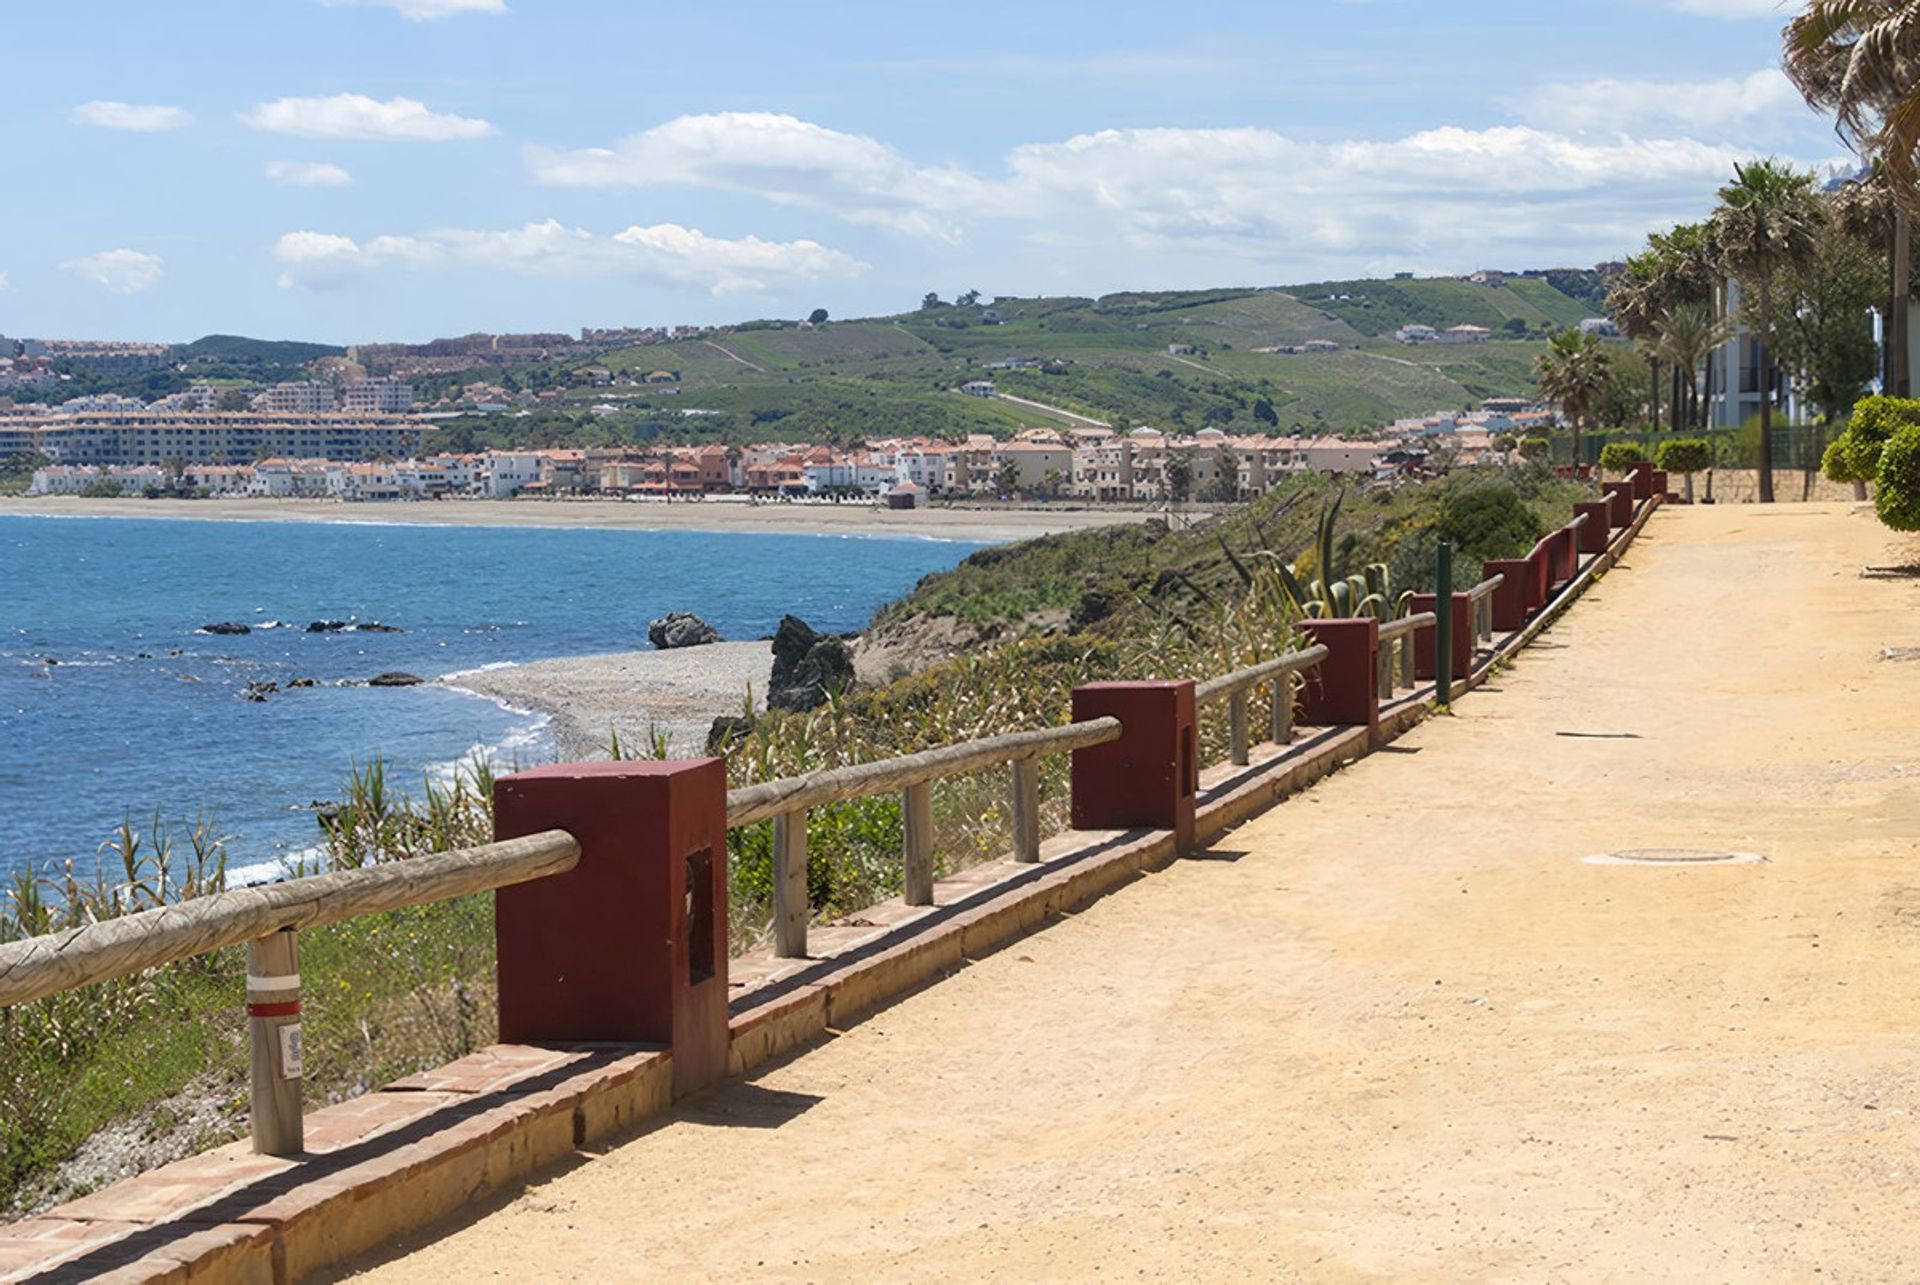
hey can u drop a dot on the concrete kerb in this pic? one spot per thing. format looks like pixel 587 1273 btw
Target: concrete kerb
pixel 421 1149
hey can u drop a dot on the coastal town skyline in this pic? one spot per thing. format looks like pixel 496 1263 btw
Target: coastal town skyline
pixel 432 167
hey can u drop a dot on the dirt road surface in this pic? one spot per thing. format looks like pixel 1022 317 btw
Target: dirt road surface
pixel 1396 1027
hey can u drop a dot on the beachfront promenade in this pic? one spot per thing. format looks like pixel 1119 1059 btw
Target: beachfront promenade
pixel 1396 1026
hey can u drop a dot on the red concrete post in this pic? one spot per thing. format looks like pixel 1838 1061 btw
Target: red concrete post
pixel 1343 690
pixel 1510 600
pixel 1593 532
pixel 1150 777
pixel 1660 483
pixel 630 946
pixel 1642 479
pixel 1566 547
pixel 1619 503
pixel 1423 640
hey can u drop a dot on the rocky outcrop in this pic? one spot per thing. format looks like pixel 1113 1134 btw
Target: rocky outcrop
pixel 681 629
pixel 352 627
pixel 258 692
pixel 807 666
pixel 727 731
pixel 226 627
pixel 395 679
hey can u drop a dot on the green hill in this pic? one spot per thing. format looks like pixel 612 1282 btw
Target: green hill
pixel 239 350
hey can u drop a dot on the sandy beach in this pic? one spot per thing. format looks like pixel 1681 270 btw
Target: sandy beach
pixel 677 692
pixel 719 514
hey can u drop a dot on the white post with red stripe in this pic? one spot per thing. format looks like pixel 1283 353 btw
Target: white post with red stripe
pixel 273 1023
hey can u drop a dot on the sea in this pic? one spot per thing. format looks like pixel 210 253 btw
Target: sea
pixel 115 704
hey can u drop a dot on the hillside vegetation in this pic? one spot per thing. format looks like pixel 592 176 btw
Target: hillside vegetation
pixel 1105 358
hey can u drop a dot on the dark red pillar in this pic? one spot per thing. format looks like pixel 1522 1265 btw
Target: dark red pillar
pixel 1642 479
pixel 1150 777
pixel 1619 503
pixel 1510 600
pixel 1343 691
pixel 1593 532
pixel 1660 483
pixel 1423 640
pixel 630 946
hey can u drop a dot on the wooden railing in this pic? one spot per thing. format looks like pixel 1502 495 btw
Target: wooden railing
pixel 1237 690
pixel 1480 597
pixel 268 919
pixel 912 775
pixel 1396 639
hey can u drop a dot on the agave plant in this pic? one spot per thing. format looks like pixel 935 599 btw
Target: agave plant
pixel 1333 596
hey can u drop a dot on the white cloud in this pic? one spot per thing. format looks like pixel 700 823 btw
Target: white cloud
pixel 1698 105
pixel 121 271
pixel 141 118
pixel 424 10
pixel 356 116
pixel 307 174
pixel 664 252
pixel 1250 195
pixel 5 285
pixel 784 159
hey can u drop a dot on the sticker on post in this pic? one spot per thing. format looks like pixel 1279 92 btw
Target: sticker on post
pixel 290 1052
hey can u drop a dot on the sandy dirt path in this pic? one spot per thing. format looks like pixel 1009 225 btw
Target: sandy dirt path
pixel 1396 1027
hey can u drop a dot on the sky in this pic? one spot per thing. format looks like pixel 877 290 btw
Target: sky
pixel 395 170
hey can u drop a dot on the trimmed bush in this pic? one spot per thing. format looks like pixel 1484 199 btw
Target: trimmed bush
pixel 1534 448
pixel 1684 455
pixel 1874 420
pixel 1620 457
pixel 1836 464
pixel 1897 485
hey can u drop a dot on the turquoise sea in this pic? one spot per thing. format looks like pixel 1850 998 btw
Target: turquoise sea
pixel 113 703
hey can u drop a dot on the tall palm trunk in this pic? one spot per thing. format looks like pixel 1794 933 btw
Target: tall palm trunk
pixel 1766 392
pixel 1897 378
pixel 1653 367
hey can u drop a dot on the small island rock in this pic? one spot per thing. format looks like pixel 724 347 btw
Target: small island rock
pixel 681 629
pixel 395 679
pixel 226 627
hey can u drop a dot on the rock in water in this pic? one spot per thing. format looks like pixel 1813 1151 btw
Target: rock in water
pixel 326 626
pixel 681 629
pixel 806 667
pixel 226 627
pixel 395 679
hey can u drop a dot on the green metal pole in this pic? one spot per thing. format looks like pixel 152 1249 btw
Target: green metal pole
pixel 1443 625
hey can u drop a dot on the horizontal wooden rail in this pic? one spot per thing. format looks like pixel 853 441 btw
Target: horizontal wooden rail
pixel 1218 689
pixel 1407 624
pixel 1486 587
pixel 754 803
pixel 1579 520
pixel 41 966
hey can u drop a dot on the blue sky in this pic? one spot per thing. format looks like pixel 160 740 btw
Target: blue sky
pixel 361 170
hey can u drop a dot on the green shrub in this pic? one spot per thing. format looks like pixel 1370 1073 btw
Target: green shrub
pixel 1534 448
pixel 1489 521
pixel 1620 457
pixel 1874 420
pixel 1837 464
pixel 1684 455
pixel 1897 485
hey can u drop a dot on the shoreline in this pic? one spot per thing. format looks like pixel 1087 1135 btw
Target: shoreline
pixel 716 516
pixel 634 693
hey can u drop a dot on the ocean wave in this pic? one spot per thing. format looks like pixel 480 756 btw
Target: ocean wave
pixel 488 668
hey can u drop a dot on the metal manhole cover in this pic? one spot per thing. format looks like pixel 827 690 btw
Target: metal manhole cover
pixel 1674 857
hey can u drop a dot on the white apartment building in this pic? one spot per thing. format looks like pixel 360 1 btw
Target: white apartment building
pixel 508 471
pixel 384 396
pixel 300 397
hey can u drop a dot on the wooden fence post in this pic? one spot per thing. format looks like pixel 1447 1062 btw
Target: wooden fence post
pixel 1026 810
pixel 273 1030
pixel 917 818
pixel 791 907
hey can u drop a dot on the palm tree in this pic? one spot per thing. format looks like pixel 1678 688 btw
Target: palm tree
pixel 1687 335
pixel 1767 221
pixel 1860 59
pixel 1573 374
